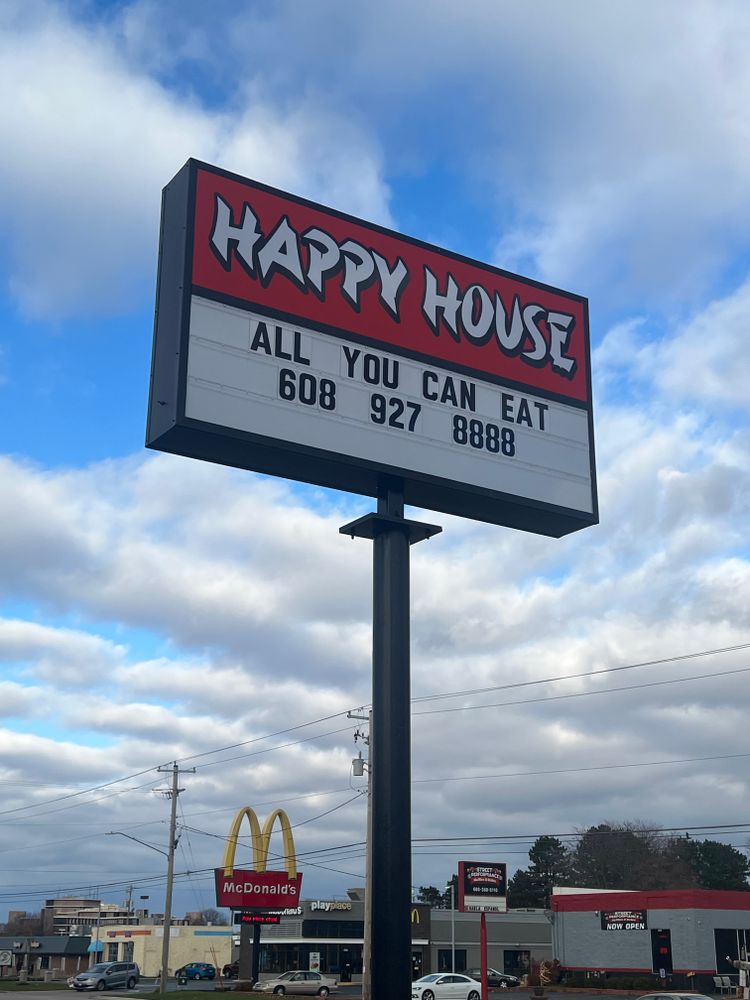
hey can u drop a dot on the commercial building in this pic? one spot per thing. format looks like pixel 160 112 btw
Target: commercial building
pixel 143 944
pixel 47 954
pixel 327 934
pixel 74 915
pixel 682 935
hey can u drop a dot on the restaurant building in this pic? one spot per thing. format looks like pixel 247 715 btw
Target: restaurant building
pixel 328 935
pixel 680 935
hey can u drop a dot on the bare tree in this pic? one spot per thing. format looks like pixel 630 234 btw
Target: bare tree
pixel 211 916
pixel 24 925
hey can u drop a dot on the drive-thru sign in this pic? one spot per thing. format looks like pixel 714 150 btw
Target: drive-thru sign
pixel 294 340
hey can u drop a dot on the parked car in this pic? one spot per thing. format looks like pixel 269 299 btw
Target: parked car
pixel 298 982
pixel 494 978
pixel 231 970
pixel 106 976
pixel 196 970
pixel 441 986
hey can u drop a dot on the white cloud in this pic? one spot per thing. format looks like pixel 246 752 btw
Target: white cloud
pixel 696 363
pixel 90 141
pixel 254 632
pixel 61 656
pixel 706 359
pixel 240 612
pixel 610 139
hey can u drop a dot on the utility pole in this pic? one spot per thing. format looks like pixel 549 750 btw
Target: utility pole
pixel 172 794
pixel 98 927
pixel 453 925
pixel 367 938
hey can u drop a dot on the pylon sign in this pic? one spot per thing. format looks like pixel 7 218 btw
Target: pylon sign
pixel 257 888
pixel 482 887
pixel 297 341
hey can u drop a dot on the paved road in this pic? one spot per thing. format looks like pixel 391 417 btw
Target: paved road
pixel 350 992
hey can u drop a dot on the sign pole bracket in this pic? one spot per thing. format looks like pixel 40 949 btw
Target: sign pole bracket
pixel 390 894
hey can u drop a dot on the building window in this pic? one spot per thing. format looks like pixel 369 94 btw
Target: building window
pixel 517 963
pixel 445 958
pixel 112 951
pixel 334 958
pixel 128 949
pixel 732 942
pixel 44 962
pixel 333 928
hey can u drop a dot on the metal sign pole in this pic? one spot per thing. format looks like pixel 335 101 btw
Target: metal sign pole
pixel 391 534
pixel 256 954
pixel 483 951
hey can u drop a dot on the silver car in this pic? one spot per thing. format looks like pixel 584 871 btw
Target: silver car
pixel 106 976
pixel 298 982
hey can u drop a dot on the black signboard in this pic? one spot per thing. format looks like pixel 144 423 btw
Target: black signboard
pixel 482 887
pixel 624 920
pixel 247 917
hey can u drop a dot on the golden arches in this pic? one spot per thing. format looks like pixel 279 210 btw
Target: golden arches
pixel 260 841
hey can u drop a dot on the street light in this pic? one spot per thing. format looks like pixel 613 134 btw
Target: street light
pixel 453 926
pixel 169 855
pixel 119 833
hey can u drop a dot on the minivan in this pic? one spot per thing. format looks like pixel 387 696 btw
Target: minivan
pixel 106 976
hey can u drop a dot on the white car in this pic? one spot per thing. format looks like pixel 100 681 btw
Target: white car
pixel 442 985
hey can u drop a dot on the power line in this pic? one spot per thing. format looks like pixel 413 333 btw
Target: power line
pixel 578 676
pixel 443 695
pixel 415 781
pixel 341 805
pixel 503 838
pixel 73 795
pixel 578 770
pixel 257 739
pixel 281 746
pixel 585 694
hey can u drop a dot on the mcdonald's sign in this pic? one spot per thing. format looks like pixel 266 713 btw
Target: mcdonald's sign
pixel 257 888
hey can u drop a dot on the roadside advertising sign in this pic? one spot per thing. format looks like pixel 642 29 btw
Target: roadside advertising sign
pixel 482 887
pixel 624 920
pixel 6 957
pixel 294 340
pixel 257 888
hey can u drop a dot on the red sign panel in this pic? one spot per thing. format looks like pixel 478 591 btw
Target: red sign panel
pixel 246 890
pixel 267 249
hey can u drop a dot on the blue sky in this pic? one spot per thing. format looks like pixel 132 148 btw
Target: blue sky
pixel 153 608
